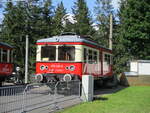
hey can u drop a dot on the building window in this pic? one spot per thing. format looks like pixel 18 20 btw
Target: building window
pixel 66 53
pixel 48 53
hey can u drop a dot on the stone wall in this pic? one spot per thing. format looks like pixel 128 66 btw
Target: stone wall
pixel 135 80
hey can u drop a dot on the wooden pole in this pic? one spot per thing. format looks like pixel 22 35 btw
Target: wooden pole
pixel 110 32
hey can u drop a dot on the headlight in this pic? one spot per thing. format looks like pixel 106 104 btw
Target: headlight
pixel 72 68
pixel 42 67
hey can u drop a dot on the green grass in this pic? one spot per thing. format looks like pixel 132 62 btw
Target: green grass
pixel 134 99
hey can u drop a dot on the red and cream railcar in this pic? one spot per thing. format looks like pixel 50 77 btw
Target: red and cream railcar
pixel 69 57
pixel 6 59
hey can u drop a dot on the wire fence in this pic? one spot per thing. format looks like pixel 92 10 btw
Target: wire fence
pixel 39 97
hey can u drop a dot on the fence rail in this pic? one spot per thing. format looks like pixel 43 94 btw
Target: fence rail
pixel 26 98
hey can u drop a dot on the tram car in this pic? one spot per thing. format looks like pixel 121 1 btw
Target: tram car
pixel 68 57
pixel 6 61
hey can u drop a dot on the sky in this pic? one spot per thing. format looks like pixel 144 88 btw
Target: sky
pixel 70 3
pixel 90 3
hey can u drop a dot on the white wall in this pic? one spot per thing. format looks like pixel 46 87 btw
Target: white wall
pixel 144 68
pixel 134 66
pixel 141 67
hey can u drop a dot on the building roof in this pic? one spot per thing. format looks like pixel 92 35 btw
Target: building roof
pixel 69 38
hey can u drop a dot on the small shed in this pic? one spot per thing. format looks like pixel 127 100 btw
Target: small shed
pixel 139 73
pixel 141 67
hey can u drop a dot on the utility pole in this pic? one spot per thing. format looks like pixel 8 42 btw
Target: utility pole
pixel 26 60
pixel 27 49
pixel 110 32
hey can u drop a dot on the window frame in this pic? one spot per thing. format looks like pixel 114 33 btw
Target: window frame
pixel 108 58
pixel 90 55
pixel 69 55
pixel 49 54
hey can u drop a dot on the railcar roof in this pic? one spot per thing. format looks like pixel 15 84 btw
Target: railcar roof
pixel 69 38
pixel 6 45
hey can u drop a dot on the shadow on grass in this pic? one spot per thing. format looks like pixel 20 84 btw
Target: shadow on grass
pixel 105 90
pixel 100 98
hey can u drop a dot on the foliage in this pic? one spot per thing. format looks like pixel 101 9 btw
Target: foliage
pixel 133 39
pixel 83 25
pixel 59 19
pixel 103 11
pixel 131 36
pixel 129 100
pixel 22 19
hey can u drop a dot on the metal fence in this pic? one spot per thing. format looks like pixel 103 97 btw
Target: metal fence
pixel 39 97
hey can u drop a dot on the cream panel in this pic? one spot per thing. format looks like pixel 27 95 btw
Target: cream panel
pixel 8 55
pixel 38 53
pixel 78 53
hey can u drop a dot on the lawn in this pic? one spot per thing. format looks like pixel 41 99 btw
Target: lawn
pixel 135 99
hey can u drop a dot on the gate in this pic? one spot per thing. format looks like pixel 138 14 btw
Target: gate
pixel 39 97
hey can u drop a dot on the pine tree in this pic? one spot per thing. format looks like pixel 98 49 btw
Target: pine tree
pixel 103 10
pixel 59 18
pixel 135 24
pixel 13 31
pixel 47 19
pixel 132 42
pixel 23 19
pixel 83 26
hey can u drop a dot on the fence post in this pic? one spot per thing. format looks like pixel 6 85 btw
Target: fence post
pixel 24 98
pixel 55 97
pixel 87 88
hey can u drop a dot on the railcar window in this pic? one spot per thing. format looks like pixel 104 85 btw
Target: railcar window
pixel 11 56
pixel 108 58
pixel 66 53
pixel 48 53
pixel 4 55
pixel 85 55
pixel 90 55
pixel 95 56
pixel 0 55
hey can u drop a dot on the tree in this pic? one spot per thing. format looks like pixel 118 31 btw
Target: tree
pixel 23 19
pixel 59 18
pixel 103 10
pixel 47 19
pixel 133 35
pixel 83 25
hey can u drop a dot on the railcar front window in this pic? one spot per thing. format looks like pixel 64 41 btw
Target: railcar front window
pixel 48 53
pixel 66 53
